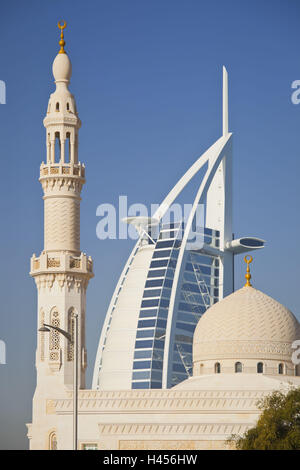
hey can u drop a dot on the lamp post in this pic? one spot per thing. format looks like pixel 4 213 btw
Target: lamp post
pixel 44 329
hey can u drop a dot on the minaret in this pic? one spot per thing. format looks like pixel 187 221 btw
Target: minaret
pixel 62 271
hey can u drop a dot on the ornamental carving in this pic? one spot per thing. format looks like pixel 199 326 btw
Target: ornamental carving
pixel 161 401
pixel 50 280
pixel 60 182
pixel 46 281
pixel 240 349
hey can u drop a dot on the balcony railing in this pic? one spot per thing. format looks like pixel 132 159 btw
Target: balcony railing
pixel 64 263
pixel 75 263
pixel 62 169
pixel 53 263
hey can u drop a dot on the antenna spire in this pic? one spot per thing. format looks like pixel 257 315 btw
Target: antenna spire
pixel 225 101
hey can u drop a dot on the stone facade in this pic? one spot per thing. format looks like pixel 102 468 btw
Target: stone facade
pixel 201 413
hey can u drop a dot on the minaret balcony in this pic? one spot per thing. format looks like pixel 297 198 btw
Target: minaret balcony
pixel 62 169
pixel 61 263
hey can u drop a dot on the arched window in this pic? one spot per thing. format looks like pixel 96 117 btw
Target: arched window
pixel 68 107
pixel 238 367
pixel 71 331
pixel 57 107
pixel 260 368
pixel 52 441
pixel 217 368
pixel 67 148
pixel 57 147
pixel 54 343
pixel 280 368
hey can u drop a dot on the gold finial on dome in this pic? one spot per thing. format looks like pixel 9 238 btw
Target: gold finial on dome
pixel 62 41
pixel 248 259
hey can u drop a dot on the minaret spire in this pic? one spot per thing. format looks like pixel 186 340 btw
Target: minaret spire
pixel 62 41
pixel 248 259
pixel 225 101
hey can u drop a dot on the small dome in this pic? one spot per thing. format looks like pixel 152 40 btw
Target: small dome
pixel 246 324
pixel 62 68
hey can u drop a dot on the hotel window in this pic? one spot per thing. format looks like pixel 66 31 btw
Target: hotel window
pixel 142 354
pixel 139 385
pixel 165 244
pixel 152 293
pixel 260 367
pixel 145 334
pixel 142 365
pixel 217 368
pixel 162 254
pixel 148 313
pixel 157 273
pixel 146 323
pixel 154 283
pixel 159 263
pixel 143 344
pixel 238 367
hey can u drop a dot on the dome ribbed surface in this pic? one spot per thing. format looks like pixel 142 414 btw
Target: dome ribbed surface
pixel 248 316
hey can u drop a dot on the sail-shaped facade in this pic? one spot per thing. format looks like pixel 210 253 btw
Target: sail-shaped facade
pixel 170 280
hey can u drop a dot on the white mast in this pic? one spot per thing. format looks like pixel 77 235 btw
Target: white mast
pixel 225 101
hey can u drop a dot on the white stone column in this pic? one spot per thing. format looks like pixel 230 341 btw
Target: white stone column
pixel 62 152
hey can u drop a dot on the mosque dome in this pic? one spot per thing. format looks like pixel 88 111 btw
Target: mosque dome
pixel 247 328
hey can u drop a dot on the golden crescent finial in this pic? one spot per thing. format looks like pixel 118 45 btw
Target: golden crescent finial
pixel 248 259
pixel 62 41
pixel 61 26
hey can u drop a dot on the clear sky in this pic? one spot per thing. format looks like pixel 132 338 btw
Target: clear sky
pixel 147 80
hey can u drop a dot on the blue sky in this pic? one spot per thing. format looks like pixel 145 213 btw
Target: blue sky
pixel 147 81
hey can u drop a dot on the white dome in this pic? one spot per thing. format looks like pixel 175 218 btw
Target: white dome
pixel 62 68
pixel 246 324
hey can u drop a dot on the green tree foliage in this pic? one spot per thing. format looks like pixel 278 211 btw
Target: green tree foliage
pixel 278 427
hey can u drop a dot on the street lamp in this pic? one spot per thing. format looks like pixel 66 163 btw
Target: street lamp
pixel 45 329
